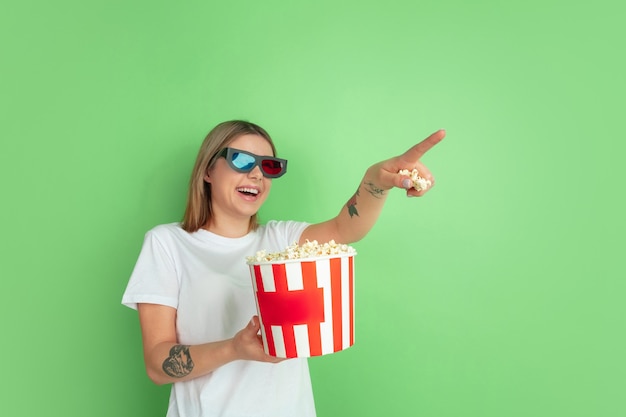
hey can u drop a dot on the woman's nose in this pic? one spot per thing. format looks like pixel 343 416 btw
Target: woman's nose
pixel 256 173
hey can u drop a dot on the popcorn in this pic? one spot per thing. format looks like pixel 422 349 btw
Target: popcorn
pixel 310 249
pixel 419 183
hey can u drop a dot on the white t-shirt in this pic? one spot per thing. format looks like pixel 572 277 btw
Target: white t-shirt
pixel 206 278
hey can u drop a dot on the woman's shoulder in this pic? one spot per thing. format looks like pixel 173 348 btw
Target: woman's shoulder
pixel 166 230
pixel 286 229
pixel 282 224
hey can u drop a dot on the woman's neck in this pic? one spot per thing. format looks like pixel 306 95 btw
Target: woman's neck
pixel 231 229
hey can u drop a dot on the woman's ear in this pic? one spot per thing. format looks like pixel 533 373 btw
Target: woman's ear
pixel 207 178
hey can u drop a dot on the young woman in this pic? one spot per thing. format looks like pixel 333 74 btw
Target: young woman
pixel 193 290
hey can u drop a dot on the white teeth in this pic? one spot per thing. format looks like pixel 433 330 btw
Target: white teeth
pixel 248 190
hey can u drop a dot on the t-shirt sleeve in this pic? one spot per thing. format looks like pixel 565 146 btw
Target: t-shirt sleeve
pixel 287 232
pixel 154 279
pixel 296 229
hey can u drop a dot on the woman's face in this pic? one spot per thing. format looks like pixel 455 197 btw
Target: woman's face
pixel 235 195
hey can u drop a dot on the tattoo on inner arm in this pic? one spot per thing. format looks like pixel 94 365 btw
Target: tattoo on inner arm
pixel 351 204
pixel 375 191
pixel 179 363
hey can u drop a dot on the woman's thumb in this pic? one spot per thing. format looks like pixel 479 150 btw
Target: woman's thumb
pixel 254 324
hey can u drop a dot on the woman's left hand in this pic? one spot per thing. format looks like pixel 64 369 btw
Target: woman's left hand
pixel 388 176
pixel 359 214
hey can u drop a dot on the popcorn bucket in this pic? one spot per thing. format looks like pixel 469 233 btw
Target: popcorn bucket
pixel 306 306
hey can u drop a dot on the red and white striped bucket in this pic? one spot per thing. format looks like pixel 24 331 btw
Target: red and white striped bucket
pixel 306 306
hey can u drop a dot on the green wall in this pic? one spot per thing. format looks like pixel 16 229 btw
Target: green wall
pixel 501 293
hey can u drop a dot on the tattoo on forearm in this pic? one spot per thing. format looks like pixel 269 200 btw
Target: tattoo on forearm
pixel 351 204
pixel 179 363
pixel 371 188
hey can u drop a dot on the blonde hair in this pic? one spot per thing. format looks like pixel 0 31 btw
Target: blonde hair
pixel 198 211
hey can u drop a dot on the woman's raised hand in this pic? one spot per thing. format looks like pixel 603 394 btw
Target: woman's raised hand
pixel 388 170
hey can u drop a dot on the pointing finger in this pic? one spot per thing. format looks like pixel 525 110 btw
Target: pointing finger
pixel 417 151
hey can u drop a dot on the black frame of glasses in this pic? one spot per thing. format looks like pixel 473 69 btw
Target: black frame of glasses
pixel 258 161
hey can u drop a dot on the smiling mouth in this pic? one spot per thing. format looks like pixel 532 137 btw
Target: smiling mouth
pixel 248 191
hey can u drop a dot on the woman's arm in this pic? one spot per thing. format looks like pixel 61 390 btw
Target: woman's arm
pixel 168 361
pixel 360 213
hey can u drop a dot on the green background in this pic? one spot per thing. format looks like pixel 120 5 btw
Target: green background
pixel 501 293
